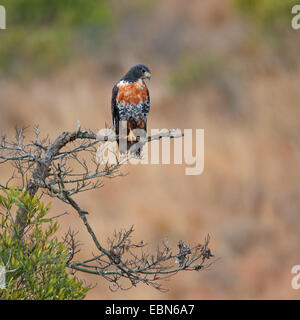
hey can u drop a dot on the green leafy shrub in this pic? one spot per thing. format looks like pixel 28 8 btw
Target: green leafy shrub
pixel 194 71
pixel 42 35
pixel 268 14
pixel 36 264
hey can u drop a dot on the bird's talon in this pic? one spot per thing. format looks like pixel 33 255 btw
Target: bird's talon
pixel 131 137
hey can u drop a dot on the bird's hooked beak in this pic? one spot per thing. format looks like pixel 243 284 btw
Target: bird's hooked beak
pixel 147 75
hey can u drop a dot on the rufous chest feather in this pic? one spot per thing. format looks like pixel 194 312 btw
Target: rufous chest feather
pixel 132 93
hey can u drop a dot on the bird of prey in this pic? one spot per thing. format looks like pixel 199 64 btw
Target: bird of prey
pixel 130 105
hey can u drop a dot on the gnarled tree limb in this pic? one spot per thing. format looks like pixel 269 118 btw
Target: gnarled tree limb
pixel 49 167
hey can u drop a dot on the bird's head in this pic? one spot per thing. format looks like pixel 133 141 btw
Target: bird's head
pixel 139 71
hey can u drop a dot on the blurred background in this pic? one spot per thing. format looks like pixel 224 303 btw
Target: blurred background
pixel 230 67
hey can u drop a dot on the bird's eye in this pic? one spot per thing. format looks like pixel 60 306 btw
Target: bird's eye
pixel 143 70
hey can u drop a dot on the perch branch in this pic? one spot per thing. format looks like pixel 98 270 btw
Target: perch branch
pixel 67 167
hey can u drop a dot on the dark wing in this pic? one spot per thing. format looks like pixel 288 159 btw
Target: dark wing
pixel 114 109
pixel 146 108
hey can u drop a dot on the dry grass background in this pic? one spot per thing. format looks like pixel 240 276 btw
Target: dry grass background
pixel 248 196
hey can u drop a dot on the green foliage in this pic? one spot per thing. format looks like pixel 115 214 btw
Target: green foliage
pixel 36 264
pixel 66 13
pixel 42 35
pixel 267 14
pixel 194 71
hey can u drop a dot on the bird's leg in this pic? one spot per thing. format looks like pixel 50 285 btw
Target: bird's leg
pixel 131 137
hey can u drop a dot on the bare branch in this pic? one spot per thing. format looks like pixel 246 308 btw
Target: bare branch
pixel 49 167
